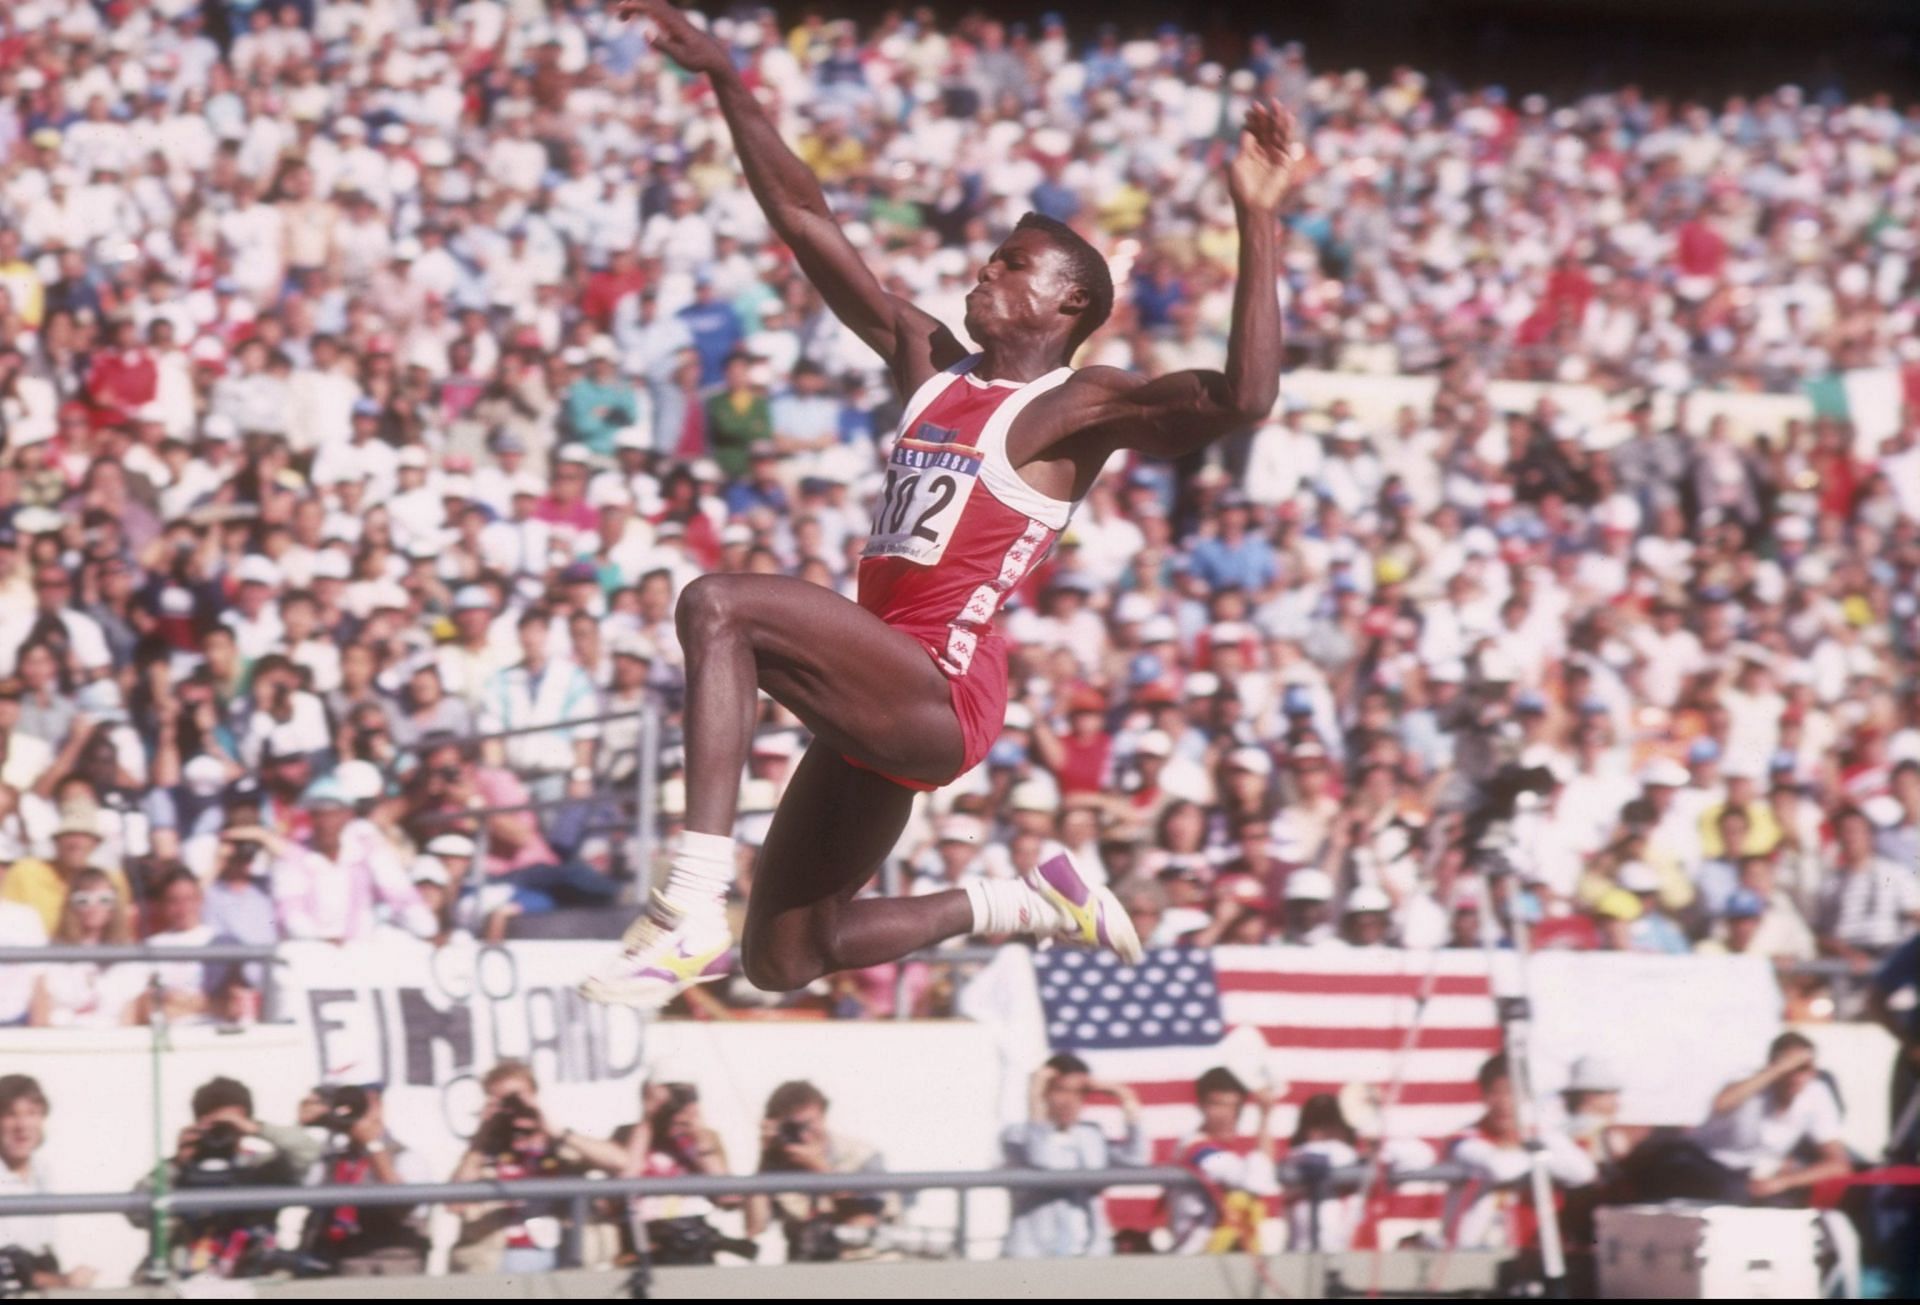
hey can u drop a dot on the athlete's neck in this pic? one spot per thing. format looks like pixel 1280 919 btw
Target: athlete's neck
pixel 1017 362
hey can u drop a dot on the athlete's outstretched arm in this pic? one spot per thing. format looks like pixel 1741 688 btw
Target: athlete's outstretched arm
pixel 913 343
pixel 1175 414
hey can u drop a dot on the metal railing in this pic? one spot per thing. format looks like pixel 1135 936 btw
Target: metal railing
pixel 267 955
pixel 1315 1183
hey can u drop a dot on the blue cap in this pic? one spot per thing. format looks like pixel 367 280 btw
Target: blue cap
pixel 366 407
pixel 1145 668
pixel 1744 904
pixel 1592 707
pixel 1783 760
pixel 1008 754
pixel 1297 700
pixel 1530 702
pixel 1703 751
pixel 1345 584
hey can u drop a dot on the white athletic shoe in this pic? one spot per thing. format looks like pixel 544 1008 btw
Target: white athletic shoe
pixel 659 962
pixel 1090 916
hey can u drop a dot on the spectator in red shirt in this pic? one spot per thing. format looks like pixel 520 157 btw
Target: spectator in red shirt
pixel 123 376
pixel 1081 761
pixel 621 277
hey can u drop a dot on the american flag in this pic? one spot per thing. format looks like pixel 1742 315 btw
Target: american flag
pixel 1315 1018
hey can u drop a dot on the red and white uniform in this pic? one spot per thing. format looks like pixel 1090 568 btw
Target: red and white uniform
pixel 955 531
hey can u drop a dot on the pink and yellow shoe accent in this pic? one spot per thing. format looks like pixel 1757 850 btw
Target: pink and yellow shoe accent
pixel 1093 916
pixel 659 962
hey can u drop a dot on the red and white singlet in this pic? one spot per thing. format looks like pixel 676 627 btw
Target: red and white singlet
pixel 955 530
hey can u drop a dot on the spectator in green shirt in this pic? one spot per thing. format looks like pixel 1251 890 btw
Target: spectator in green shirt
pixel 738 416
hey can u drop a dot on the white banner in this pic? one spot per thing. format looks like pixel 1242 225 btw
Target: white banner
pixel 1677 1028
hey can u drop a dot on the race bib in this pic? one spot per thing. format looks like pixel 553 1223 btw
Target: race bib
pixel 930 477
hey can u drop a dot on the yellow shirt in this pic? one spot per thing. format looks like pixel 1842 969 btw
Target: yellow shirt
pixel 22 285
pixel 1763 831
pixel 36 883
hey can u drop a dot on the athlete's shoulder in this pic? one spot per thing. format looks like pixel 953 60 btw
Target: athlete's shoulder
pixel 1104 381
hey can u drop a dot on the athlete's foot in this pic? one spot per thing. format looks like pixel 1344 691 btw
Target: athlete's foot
pixel 1089 915
pixel 657 962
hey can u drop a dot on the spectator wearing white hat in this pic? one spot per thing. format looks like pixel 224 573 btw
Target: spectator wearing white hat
pixel 1307 910
pixel 1590 1102
pixel 957 855
pixel 1366 917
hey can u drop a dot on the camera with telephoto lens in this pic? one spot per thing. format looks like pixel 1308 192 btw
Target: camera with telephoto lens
pixel 508 1127
pixel 346 1105
pixel 1487 832
pixel 216 1148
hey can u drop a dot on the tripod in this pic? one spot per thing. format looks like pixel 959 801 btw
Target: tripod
pixel 1516 1029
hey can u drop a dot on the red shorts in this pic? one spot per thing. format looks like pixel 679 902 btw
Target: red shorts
pixel 979 703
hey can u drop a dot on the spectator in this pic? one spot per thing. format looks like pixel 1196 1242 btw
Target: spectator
pixel 1323 1140
pixel 1226 1213
pixel 175 903
pixel 86 993
pixel 1057 1137
pixel 342 883
pixel 1867 904
pixel 513 1142
pixel 794 1138
pixel 46 886
pixel 738 416
pixel 1773 1134
pixel 23 1131
pixel 541 690
pixel 1486 1212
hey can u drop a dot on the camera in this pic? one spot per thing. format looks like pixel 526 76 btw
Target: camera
pixel 792 1133
pixel 346 1106
pixel 509 1127
pixel 216 1148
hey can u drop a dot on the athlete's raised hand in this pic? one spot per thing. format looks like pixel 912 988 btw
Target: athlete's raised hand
pixel 675 36
pixel 1270 152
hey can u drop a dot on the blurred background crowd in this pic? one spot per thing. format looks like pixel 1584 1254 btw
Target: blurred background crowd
pixel 374 374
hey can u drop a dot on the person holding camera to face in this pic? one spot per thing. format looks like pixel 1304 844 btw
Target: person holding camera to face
pixel 794 1138
pixel 226 1147
pixel 515 1142
pixel 670 1140
pixel 363 1241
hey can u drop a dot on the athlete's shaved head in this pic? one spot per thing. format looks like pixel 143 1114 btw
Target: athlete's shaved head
pixel 1088 269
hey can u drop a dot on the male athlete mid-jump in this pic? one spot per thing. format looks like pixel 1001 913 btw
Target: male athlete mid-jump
pixel 906 689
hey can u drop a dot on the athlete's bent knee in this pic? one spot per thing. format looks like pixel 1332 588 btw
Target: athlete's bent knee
pixel 779 969
pixel 707 608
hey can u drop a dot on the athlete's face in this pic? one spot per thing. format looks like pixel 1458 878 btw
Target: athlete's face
pixel 1026 286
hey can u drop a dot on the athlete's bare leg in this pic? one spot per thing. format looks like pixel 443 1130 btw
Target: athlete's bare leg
pixel 863 688
pixel 835 826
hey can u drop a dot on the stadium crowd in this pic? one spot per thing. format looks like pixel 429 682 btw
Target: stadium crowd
pixel 374 374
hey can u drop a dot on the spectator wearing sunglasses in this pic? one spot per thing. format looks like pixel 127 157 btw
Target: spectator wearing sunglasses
pixel 87 994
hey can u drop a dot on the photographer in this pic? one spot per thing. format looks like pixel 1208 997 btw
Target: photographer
pixel 513 1142
pixel 226 1147
pixel 794 1138
pixel 369 1241
pixel 671 1139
